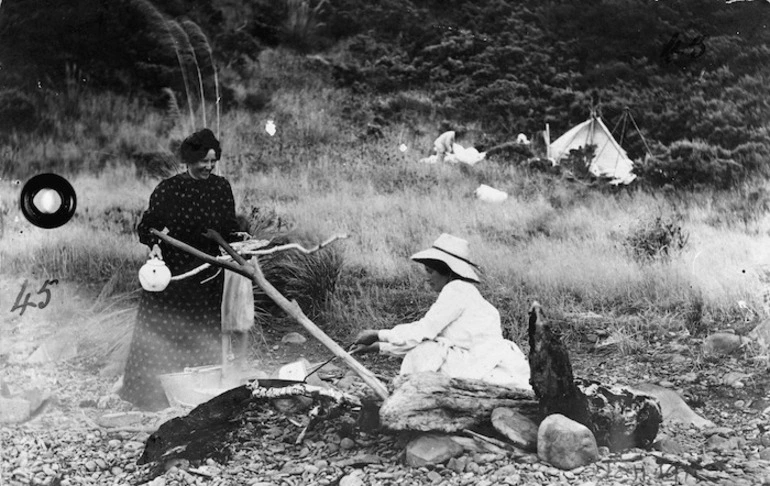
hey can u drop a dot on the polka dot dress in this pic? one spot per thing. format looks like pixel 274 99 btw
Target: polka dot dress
pixel 180 326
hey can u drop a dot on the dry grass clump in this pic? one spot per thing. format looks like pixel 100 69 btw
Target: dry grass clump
pixel 311 280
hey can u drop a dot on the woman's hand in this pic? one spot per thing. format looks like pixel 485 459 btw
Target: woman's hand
pixel 367 337
pixel 363 348
pixel 155 252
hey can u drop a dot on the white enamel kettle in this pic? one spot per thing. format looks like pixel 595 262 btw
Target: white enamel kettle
pixel 154 275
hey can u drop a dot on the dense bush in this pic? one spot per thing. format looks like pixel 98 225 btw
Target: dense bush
pixel 692 164
pixel 689 70
pixel 656 239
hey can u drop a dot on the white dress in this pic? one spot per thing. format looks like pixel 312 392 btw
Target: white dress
pixel 444 143
pixel 460 336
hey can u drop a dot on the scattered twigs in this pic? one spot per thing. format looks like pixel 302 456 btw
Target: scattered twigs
pixel 311 416
pixel 695 468
pixel 491 440
pixel 478 445
pixel 254 272
pixel 671 464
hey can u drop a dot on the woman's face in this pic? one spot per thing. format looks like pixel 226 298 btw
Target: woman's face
pixel 436 280
pixel 202 168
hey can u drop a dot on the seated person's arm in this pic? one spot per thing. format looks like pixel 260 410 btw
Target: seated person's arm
pixel 403 337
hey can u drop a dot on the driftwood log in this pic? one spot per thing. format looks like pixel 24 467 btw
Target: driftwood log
pixel 619 417
pixel 436 402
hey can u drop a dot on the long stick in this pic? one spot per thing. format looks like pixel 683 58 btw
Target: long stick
pixel 254 272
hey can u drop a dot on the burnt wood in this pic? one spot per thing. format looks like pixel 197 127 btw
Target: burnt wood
pixel 619 417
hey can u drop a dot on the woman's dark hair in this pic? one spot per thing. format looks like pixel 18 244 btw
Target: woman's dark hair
pixel 196 146
pixel 443 269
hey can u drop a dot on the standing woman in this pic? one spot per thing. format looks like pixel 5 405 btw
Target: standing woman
pixel 180 326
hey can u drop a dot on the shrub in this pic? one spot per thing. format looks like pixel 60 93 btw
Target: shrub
pixel 17 111
pixel 579 161
pixel 750 206
pixel 753 157
pixel 256 101
pixel 302 25
pixel 693 318
pixel 657 239
pixel 690 164
pixel 511 153
pixel 238 43
pixel 264 222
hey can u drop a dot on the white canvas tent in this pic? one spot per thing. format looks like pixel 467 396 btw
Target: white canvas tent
pixel 610 160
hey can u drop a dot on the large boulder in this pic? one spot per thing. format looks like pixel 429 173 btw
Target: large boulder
pixel 565 444
pixel 723 343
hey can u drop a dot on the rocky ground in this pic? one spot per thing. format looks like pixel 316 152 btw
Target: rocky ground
pixel 86 435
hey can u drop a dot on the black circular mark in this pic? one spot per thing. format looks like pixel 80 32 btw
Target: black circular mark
pixel 40 216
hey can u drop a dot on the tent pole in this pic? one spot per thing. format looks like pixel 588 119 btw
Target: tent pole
pixel 623 129
pixel 649 152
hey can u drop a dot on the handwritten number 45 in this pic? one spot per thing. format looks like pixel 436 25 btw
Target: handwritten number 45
pixel 22 300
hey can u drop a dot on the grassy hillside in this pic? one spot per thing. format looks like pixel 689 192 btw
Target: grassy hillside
pixel 574 247
pixel 346 90
pixel 694 73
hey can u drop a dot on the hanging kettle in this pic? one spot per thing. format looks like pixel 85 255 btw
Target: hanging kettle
pixel 154 275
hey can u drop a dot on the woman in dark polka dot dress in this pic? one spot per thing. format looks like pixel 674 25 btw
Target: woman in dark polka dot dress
pixel 180 326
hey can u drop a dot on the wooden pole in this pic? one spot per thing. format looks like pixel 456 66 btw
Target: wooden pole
pixel 254 272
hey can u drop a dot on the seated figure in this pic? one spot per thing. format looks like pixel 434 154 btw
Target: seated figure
pixel 460 335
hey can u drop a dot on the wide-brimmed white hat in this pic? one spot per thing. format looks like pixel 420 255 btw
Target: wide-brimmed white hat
pixel 453 251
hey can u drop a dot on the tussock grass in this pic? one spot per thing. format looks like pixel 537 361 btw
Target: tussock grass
pixel 552 240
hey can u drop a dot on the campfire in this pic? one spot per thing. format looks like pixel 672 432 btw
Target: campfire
pixel 564 421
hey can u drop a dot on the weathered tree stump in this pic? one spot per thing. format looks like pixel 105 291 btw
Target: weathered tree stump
pixel 435 402
pixel 619 417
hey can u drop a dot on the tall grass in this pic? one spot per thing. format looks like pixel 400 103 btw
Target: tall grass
pixel 552 240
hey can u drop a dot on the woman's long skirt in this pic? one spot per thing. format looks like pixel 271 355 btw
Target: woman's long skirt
pixel 177 328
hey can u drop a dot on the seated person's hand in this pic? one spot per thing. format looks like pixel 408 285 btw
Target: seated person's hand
pixel 366 348
pixel 367 337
